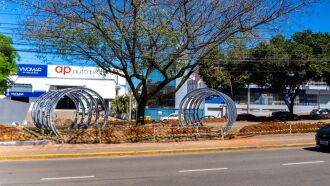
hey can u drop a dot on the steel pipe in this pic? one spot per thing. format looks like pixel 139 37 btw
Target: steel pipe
pixel 190 104
pixel 87 102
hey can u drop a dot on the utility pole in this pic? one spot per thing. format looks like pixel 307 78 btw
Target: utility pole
pixel 248 101
pixel 318 100
pixel 130 106
pixel 117 87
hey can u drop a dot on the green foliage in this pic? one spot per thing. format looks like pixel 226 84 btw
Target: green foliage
pixel 286 64
pixel 213 76
pixel 120 104
pixel 8 57
pixel 225 70
pixel 283 65
pixel 133 39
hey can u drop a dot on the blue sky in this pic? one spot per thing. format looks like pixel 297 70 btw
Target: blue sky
pixel 316 18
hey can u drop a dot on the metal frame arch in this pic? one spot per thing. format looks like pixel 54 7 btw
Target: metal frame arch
pixel 189 107
pixel 84 99
pixel 84 108
pixel 184 103
pixel 66 92
pixel 105 107
pixel 35 110
pixel 199 98
pixel 198 104
pixel 42 107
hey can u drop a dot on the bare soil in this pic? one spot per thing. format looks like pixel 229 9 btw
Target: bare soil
pixel 280 128
pixel 10 133
pixel 120 131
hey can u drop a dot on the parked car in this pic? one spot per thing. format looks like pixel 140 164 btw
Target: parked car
pixel 173 116
pixel 246 117
pixel 322 137
pixel 284 114
pixel 320 111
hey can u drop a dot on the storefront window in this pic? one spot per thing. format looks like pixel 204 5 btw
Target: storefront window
pixel 161 99
pixel 241 97
pixel 312 99
pixel 20 88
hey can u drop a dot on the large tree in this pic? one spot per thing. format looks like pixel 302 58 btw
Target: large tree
pixel 8 57
pixel 224 69
pixel 133 38
pixel 284 65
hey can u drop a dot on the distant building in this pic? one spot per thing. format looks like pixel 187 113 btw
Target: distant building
pixel 32 81
pixel 262 101
pixel 162 99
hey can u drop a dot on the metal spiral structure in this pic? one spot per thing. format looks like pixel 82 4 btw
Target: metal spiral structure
pixel 189 107
pixel 88 103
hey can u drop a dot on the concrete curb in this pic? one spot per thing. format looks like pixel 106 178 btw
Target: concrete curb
pixel 147 152
pixel 24 143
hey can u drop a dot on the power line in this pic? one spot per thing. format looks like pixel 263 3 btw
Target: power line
pixel 113 34
pixel 54 46
pixel 244 59
pixel 78 54
pixel 260 30
pixel 269 71
pixel 23 14
pixel 40 52
pixel 241 61
pixel 70 52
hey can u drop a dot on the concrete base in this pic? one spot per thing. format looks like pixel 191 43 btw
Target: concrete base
pixel 24 143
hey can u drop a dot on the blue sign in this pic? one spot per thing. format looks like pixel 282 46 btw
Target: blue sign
pixel 25 94
pixel 32 70
pixel 215 100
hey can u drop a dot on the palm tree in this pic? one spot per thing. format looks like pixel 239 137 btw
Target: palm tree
pixel 120 104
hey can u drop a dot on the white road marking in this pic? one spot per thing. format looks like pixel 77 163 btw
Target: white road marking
pixel 301 163
pixel 67 178
pixel 202 170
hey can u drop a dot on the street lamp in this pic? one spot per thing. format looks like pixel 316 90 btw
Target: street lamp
pixel 248 101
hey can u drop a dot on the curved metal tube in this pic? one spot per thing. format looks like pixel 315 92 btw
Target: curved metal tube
pixel 84 100
pixel 189 107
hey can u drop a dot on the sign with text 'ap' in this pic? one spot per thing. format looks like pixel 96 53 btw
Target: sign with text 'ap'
pixel 78 72
pixel 32 70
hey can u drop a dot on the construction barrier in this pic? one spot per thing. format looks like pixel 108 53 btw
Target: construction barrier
pixel 150 133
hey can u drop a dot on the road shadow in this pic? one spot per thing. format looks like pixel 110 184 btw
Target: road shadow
pixel 318 149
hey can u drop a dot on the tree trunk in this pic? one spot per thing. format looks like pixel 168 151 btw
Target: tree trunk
pixel 291 105
pixel 141 111
pixel 231 91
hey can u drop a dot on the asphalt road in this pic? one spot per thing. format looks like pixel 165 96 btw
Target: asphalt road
pixel 259 167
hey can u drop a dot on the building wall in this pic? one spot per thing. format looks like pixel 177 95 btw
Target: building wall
pixel 264 102
pixel 12 111
pixel 162 99
pixel 180 93
pixel 217 110
pixel 192 83
pixel 49 77
pixel 106 88
pixel 43 78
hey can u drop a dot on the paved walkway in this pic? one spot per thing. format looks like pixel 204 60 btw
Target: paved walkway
pixel 268 141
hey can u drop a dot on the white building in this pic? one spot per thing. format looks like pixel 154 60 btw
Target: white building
pixel 32 81
pixel 262 101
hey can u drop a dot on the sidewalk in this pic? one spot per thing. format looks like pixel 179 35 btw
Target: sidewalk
pixel 84 150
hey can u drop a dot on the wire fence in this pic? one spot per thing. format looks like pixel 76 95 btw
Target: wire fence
pixel 155 133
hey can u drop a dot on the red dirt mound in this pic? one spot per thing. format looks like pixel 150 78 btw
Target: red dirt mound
pixel 279 128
